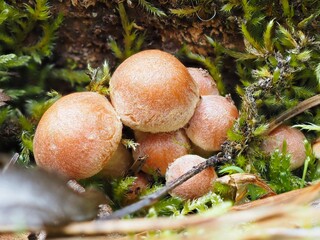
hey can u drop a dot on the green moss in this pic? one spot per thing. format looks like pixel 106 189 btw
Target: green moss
pixel 132 40
pixel 27 39
pixel 278 68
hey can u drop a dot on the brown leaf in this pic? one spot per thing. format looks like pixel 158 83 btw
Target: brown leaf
pixel 240 181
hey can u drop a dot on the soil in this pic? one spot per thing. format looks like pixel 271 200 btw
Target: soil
pixel 87 26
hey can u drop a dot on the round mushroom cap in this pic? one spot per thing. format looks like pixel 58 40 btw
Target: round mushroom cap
pixel 77 135
pixel 294 139
pixel 213 117
pixel 316 148
pixel 160 149
pixel 194 187
pixel 206 84
pixel 152 91
pixel 141 183
pixel 119 164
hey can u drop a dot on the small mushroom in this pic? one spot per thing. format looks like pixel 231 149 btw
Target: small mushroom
pixel 294 139
pixel 141 183
pixel 152 91
pixel 206 84
pixel 77 135
pixel 316 148
pixel 196 186
pixel 119 164
pixel 211 121
pixel 160 149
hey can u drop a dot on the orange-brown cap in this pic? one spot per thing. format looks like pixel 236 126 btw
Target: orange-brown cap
pixel 316 148
pixel 77 135
pixel 152 91
pixel 196 186
pixel 119 164
pixel 206 84
pixel 213 117
pixel 141 183
pixel 160 149
pixel 294 139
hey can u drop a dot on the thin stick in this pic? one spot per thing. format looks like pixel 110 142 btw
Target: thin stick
pixel 260 214
pixel 299 108
pixel 152 198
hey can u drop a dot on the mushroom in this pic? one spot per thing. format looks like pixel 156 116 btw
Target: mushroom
pixel 206 84
pixel 160 149
pixel 77 135
pixel 152 91
pixel 213 117
pixel 194 187
pixel 141 183
pixel 316 148
pixel 119 164
pixel 294 139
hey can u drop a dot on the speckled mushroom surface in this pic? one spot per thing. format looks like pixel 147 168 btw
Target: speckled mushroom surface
pixel 77 135
pixel 316 148
pixel 211 121
pixel 206 84
pixel 160 149
pixel 294 139
pixel 196 186
pixel 152 91
pixel 119 164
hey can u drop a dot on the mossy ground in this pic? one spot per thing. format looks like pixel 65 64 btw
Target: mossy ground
pixel 266 54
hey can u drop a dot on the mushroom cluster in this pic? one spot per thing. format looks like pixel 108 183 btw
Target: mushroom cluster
pixel 170 110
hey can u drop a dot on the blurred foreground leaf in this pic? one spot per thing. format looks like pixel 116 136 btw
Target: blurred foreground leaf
pixel 33 198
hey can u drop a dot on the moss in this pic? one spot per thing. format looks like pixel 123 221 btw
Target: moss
pixel 27 35
pixel 278 68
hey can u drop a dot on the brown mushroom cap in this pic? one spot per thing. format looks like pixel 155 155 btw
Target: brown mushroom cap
pixel 140 184
pixel 316 148
pixel 160 149
pixel 119 164
pixel 213 117
pixel 196 186
pixel 152 91
pixel 294 139
pixel 206 84
pixel 77 135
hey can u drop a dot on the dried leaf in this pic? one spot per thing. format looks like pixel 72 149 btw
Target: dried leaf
pixel 240 182
pixel 33 198
pixel 308 195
